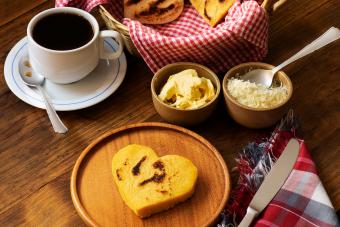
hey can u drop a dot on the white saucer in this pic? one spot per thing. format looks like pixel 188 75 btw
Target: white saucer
pixel 94 88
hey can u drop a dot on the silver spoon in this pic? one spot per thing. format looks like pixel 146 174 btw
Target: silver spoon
pixel 265 77
pixel 33 79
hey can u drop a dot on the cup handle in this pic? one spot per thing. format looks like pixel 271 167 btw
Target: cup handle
pixel 114 35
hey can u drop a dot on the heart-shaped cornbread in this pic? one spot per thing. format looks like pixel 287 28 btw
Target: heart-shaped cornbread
pixel 148 183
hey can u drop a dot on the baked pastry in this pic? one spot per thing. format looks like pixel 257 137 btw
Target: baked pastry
pixel 213 11
pixel 148 183
pixel 153 11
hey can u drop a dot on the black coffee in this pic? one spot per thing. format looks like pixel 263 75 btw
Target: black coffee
pixel 62 31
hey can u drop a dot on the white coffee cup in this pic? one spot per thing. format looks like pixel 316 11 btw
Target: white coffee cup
pixel 67 66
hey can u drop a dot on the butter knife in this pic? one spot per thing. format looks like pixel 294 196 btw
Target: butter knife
pixel 272 182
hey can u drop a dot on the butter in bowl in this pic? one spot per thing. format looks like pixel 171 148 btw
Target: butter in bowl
pixel 185 93
pixel 253 105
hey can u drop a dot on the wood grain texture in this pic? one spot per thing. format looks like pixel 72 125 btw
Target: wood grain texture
pixel 36 164
pixel 94 194
pixel 10 9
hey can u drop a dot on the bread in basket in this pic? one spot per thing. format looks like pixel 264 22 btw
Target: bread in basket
pixel 241 37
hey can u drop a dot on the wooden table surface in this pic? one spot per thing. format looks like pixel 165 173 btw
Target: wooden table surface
pixel 36 163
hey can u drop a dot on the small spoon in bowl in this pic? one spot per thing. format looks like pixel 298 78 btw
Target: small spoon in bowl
pixel 33 79
pixel 265 77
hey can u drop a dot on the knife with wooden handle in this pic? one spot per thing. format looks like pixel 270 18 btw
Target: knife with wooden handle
pixel 272 182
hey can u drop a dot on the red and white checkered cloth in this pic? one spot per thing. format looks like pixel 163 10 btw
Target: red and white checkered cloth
pixel 240 38
pixel 302 201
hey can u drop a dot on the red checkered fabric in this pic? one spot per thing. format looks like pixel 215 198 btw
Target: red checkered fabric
pixel 240 38
pixel 302 200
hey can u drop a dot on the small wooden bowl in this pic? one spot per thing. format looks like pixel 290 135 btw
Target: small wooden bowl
pixel 253 117
pixel 175 115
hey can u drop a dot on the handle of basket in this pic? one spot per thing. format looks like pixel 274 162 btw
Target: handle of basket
pixel 272 5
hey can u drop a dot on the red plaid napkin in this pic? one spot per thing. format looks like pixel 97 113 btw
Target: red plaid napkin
pixel 240 38
pixel 302 200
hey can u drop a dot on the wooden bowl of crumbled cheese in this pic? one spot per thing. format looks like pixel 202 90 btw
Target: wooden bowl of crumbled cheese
pixel 185 93
pixel 253 105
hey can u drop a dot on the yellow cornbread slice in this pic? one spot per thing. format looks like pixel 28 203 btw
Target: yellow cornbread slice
pixel 213 11
pixel 149 184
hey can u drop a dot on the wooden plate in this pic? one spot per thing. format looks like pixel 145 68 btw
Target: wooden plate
pixel 98 202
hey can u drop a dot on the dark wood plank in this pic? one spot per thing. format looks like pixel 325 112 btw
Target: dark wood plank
pixel 35 163
pixel 13 9
pixel 296 24
pixel 50 205
pixel 315 79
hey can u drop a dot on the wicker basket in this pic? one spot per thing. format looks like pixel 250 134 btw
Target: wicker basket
pixel 112 23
